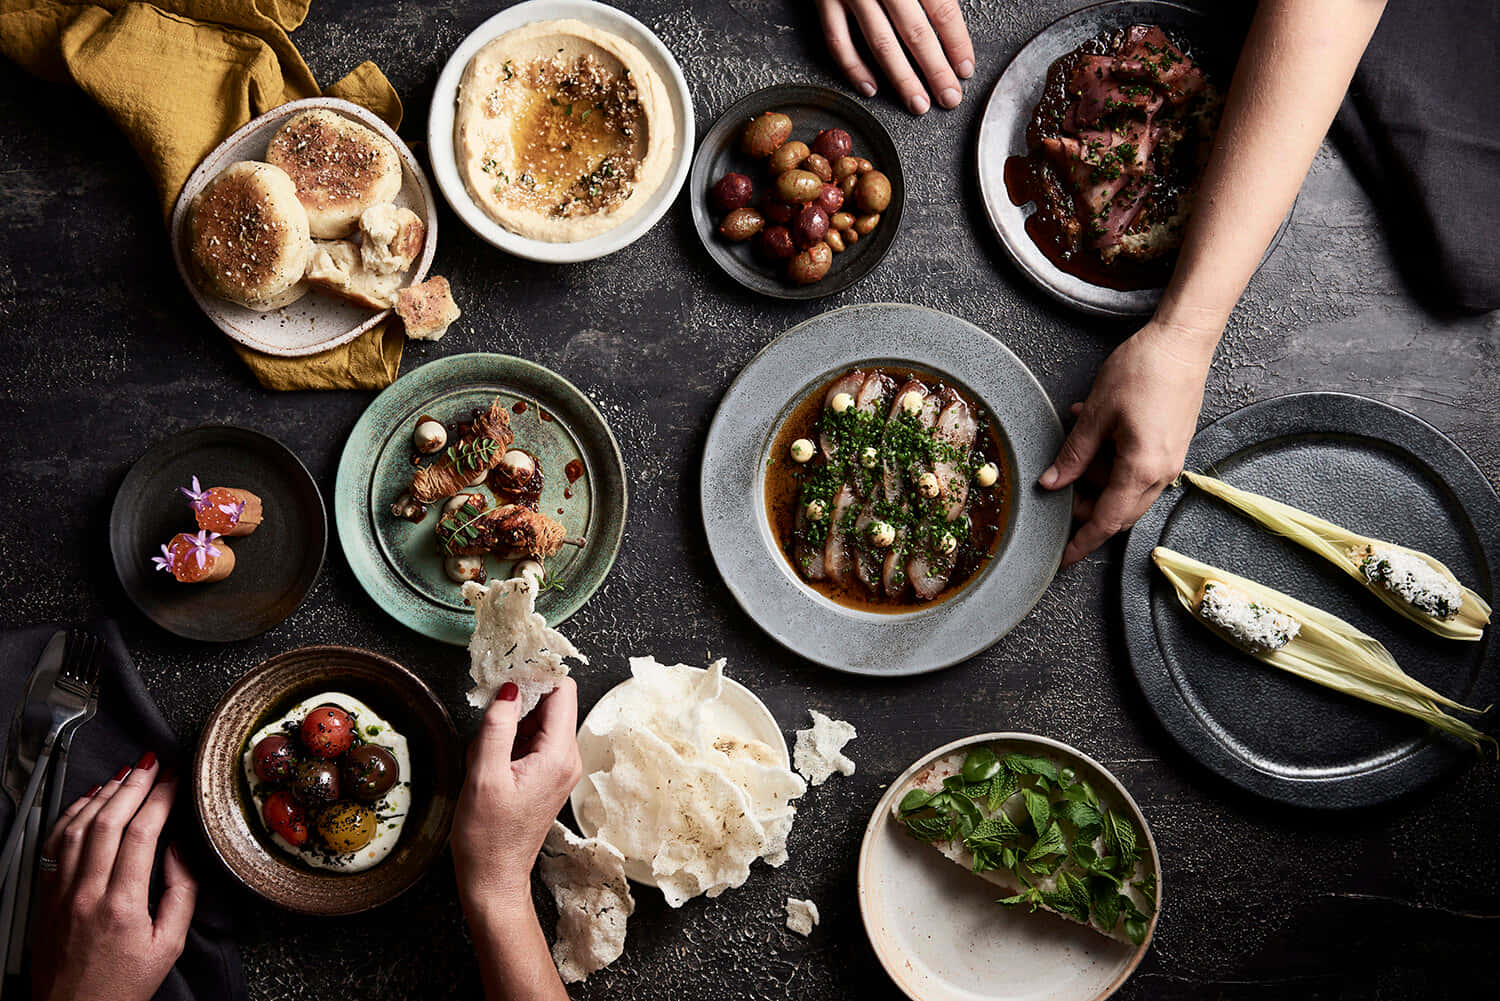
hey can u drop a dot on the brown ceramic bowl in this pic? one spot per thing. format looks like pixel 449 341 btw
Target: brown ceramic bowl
pixel 265 693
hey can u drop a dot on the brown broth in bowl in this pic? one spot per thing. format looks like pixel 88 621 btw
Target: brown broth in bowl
pixel 907 445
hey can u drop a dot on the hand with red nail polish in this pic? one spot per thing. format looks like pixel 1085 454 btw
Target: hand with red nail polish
pixel 521 772
pixel 95 936
pixel 932 31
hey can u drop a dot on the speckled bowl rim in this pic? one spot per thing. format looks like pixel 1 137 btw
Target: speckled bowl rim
pixel 1009 220
pixel 220 780
pixel 731 488
pixel 351 493
pixel 442 112
pixel 892 961
pixel 226 153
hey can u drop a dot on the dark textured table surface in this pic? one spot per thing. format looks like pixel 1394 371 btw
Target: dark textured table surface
pixel 105 353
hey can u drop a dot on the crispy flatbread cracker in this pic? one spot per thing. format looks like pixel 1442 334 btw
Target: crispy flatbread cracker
pixel 801 916
pixel 512 642
pixel 587 880
pixel 819 749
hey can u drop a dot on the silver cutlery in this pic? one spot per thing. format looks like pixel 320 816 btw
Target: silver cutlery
pixel 66 703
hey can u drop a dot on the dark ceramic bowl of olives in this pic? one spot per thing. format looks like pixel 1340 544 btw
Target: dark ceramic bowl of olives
pixel 813 121
pixel 227 811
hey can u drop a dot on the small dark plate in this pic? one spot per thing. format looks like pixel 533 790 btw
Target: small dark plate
pixel 275 566
pixel 1002 134
pixel 811 109
pixel 1373 469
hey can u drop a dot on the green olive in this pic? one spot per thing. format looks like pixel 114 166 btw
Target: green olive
pixel 789 155
pixel 981 765
pixel 798 186
pixel 766 133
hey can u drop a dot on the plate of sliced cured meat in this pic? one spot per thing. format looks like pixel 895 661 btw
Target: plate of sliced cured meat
pixel 478 466
pixel 1092 146
pixel 868 489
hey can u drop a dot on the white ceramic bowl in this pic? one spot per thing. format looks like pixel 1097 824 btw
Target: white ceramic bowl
pixel 316 322
pixel 444 107
pixel 938 932
pixel 740 713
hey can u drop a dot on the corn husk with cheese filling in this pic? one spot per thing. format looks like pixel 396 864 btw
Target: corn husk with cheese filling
pixel 1322 648
pixel 1368 561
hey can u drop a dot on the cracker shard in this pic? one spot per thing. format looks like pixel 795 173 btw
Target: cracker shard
pixel 819 749
pixel 587 880
pixel 801 916
pixel 512 642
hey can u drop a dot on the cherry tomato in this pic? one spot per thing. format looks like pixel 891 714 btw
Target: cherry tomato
pixel 316 782
pixel 369 772
pixel 285 816
pixel 328 731
pixel 347 827
pixel 274 757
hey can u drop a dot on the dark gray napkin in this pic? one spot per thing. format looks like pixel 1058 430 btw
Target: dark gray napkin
pixel 1421 129
pixel 129 724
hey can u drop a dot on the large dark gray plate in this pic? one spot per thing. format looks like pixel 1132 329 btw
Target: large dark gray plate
pixel 1376 470
pixel 1002 134
pixel 732 490
pixel 275 566
pixel 812 109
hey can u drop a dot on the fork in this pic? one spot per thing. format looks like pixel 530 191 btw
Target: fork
pixel 77 682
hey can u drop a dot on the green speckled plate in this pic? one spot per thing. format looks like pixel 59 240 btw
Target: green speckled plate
pixel 397 561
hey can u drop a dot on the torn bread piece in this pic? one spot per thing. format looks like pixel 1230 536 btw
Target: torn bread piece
pixel 819 750
pixel 390 238
pixel 428 309
pixel 512 642
pixel 336 268
pixel 587 880
pixel 801 916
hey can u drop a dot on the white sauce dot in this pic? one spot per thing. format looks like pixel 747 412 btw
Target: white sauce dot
pixel 949 544
pixel 869 457
pixel 911 402
pixel 841 402
pixel 882 534
pixel 928 484
pixel 429 436
pixel 802 450
pixel 987 475
pixel 815 511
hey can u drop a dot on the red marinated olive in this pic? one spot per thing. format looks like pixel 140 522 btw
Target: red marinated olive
pixel 274 758
pixel 733 191
pixel 832 144
pixel 316 782
pixel 810 227
pixel 328 731
pixel 779 212
pixel 830 199
pixel 741 224
pixel 776 243
pixel 810 265
pixel 285 816
pixel 818 165
pixel 369 772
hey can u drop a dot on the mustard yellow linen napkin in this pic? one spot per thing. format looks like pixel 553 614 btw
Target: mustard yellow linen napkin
pixel 177 77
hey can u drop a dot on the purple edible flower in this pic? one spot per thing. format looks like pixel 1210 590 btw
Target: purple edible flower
pixel 197 495
pixel 234 509
pixel 166 560
pixel 203 546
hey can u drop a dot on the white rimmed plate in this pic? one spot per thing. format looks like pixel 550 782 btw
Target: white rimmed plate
pixel 938 932
pixel 316 322
pixel 444 108
pixel 739 713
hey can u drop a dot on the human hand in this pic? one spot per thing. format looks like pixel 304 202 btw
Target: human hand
pixel 520 774
pixel 1144 403
pixel 96 938
pixel 933 32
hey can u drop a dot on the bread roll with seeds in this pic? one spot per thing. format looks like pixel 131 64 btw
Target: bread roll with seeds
pixel 248 236
pixel 339 166
pixel 428 309
pixel 390 238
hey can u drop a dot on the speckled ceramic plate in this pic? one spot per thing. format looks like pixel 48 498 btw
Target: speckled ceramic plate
pixel 225 808
pixel 811 109
pixel 445 106
pixel 939 933
pixel 275 566
pixel 1373 469
pixel 732 490
pixel 1002 134
pixel 741 714
pixel 316 322
pixel 398 562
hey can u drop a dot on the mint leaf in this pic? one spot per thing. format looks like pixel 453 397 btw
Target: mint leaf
pixel 1106 904
pixel 1050 843
pixel 1002 788
pixel 1119 837
pixel 1031 895
pixel 1081 792
pixel 998 830
pixel 1135 928
pixel 928 828
pixel 1084 818
pixel 1027 764
pixel 1071 897
pixel 1039 808
pixel 914 801
pixel 1147 885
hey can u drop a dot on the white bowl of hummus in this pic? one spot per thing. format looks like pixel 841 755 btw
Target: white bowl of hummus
pixel 561 130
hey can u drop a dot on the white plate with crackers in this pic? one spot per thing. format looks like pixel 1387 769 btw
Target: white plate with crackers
pixel 316 321
pixel 938 928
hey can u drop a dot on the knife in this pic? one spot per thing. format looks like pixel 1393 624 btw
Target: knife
pixel 18 765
